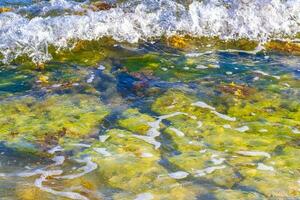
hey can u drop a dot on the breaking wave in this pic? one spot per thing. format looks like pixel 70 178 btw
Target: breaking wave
pixel 32 28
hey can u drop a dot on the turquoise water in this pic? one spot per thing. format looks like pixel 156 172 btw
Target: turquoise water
pixel 118 100
pixel 153 123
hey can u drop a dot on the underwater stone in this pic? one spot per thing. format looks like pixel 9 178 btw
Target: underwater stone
pixel 127 168
pixel 44 122
pixel 135 121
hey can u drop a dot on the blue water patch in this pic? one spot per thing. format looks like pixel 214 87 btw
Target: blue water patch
pixel 15 2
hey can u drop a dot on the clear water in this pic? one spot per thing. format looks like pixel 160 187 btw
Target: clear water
pixel 166 118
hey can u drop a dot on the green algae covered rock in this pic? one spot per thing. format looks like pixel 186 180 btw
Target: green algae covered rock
pixel 223 194
pixel 207 165
pixel 253 149
pixel 30 192
pixel 169 67
pixel 181 142
pixel 131 165
pixel 135 121
pixel 242 127
pixel 45 121
pixel 268 107
pixel 128 163
pixel 270 183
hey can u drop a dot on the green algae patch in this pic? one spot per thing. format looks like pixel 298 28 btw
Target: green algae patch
pixel 128 163
pixel 186 43
pixel 148 61
pixel 183 143
pixel 170 67
pixel 229 194
pixel 30 192
pixel 251 148
pixel 45 121
pixel 131 165
pixel 206 165
pixel 270 183
pixel 135 121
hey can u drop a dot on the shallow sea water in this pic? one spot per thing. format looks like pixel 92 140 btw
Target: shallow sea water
pixel 158 119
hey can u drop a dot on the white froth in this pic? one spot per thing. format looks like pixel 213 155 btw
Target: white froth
pixel 208 170
pixel 203 151
pixel 200 124
pixel 242 129
pixel 39 183
pixel 139 20
pixel 264 167
pixel 102 151
pixel 225 117
pixel 103 138
pixel 179 175
pixel 101 67
pixel 266 74
pixel 202 104
pixel 91 78
pixel 59 160
pixel 227 126
pixel 263 130
pixel 144 196
pixel 201 67
pixel 154 132
pixel 55 149
pixel 295 130
pixel 89 167
pixel 146 155
pixel 179 133
pixel 216 160
pixel 81 145
pixel 254 153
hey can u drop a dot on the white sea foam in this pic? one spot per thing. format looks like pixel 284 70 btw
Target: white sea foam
pixel 242 129
pixel 154 132
pixel 262 166
pixel 103 152
pixel 295 130
pixel 202 104
pixel 144 196
pixel 199 123
pixel 55 149
pixel 179 175
pixel 179 133
pixel 208 170
pixel 89 167
pixel 39 183
pixel 59 160
pixel 81 145
pixel 254 153
pixel 91 78
pixel 266 74
pixel 103 138
pixel 141 19
pixel 225 117
pixel 146 155
pixel 216 160
pixel 44 174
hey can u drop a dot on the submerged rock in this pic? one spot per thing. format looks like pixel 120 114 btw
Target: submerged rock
pixel 126 167
pixel 244 155
pixel 44 122
pixel 135 121
pixel 5 9
pixel 30 192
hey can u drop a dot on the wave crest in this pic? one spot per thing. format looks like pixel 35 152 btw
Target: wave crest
pixel 259 20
